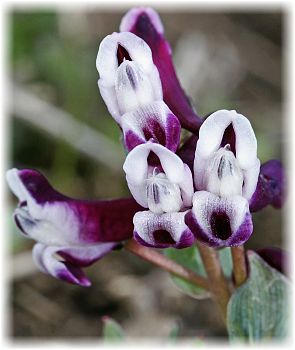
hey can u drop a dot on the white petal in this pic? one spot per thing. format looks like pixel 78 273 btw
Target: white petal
pixel 211 132
pixel 250 180
pixel 137 171
pixel 200 166
pixel 17 187
pixel 136 164
pixel 109 96
pixel 106 60
pixel 37 254
pixel 162 195
pixel 133 87
pixel 107 63
pixel 246 143
pixel 43 223
pixel 156 84
pixel 223 174
pixel 187 187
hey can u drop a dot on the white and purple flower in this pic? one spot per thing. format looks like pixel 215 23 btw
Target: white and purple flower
pixel 70 234
pixel 131 88
pixel 205 190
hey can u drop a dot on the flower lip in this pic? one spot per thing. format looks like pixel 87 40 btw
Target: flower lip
pixel 219 222
pixel 162 230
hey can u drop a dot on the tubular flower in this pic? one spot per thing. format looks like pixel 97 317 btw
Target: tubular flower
pixel 131 88
pixel 71 234
pixel 206 189
pixel 226 172
pixel 163 184
pixel 146 24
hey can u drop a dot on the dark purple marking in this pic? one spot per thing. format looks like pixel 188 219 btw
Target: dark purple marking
pixel 220 225
pixel 163 237
pixel 122 54
pixel 237 238
pixel 229 138
pixel 131 77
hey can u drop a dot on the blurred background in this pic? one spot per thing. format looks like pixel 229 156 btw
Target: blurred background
pixel 59 124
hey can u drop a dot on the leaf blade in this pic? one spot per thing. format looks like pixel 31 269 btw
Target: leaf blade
pixel 258 309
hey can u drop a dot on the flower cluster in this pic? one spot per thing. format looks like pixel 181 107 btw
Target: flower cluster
pixel 204 189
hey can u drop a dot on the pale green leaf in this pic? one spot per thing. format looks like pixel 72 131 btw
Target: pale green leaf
pixel 111 330
pixel 258 310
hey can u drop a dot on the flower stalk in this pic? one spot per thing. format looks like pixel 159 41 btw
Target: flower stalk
pixel 165 263
pixel 239 265
pixel 218 284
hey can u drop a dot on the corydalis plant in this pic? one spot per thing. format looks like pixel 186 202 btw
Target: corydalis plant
pixel 202 192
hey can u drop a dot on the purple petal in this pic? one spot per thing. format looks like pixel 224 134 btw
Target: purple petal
pixel 270 187
pixel 145 23
pixel 47 261
pixel 275 257
pixel 219 222
pixel 162 230
pixel 51 218
pixel 153 122
pixel 65 263
pixel 187 151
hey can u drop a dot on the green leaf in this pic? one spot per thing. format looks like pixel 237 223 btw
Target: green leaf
pixel 111 330
pixel 191 259
pixel 258 310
